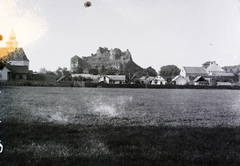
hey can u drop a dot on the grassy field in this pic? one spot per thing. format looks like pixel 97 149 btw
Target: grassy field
pixel 87 126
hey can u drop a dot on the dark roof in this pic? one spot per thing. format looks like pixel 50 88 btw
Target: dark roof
pixel 74 57
pixel 206 64
pixel 177 77
pixel 198 71
pixel 17 55
pixel 62 77
pixel 199 78
pixel 18 69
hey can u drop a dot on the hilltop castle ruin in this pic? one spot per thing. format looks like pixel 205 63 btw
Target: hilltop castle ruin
pixel 114 58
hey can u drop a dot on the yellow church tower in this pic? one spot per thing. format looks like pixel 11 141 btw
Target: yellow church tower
pixel 12 42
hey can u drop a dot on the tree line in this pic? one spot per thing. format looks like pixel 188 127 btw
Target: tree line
pixel 168 71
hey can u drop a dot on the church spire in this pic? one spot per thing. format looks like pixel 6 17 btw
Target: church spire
pixel 12 43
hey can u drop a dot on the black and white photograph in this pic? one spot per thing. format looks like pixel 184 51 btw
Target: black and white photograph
pixel 119 83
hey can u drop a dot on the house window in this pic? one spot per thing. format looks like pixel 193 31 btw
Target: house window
pixel 20 76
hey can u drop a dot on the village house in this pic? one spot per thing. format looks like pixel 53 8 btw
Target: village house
pixel 146 79
pixel 193 72
pixel 112 79
pixel 179 80
pixel 199 80
pixel 17 67
pixel 213 68
pixel 158 80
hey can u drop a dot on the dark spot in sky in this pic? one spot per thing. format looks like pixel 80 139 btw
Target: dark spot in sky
pixel 87 4
pixel 1 37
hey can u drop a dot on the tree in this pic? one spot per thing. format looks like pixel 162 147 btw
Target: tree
pixel 238 70
pixel 111 71
pixel 62 72
pixel 169 71
pixel 93 71
pixel 4 53
pixel 74 63
pixel 79 70
pixel 43 70
pixel 1 65
pixel 102 70
pixel 151 71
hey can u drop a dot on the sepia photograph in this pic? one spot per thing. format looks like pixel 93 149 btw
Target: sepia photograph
pixel 109 82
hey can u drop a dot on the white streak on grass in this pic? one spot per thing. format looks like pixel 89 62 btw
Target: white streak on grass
pixel 110 107
pixel 58 117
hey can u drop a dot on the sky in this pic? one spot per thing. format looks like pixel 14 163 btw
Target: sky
pixel 156 32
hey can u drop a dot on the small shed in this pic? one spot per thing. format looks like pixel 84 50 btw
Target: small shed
pixel 224 84
pixel 199 80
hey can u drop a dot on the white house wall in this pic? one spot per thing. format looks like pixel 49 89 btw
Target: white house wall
pixel 5 74
pixel 19 63
pixel 181 81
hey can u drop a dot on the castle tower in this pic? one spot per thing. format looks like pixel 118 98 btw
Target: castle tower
pixel 12 43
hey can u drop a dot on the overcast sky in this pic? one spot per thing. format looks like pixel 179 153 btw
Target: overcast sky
pixel 156 32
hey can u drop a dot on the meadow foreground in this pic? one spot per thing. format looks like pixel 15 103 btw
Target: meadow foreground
pixel 87 126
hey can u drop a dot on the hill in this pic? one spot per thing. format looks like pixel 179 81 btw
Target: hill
pixel 104 59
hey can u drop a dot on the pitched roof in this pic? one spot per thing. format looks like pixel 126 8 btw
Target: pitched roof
pixel 206 64
pixel 159 78
pixel 62 77
pixel 117 77
pixel 215 68
pixel 17 55
pixel 82 75
pixel 199 78
pixel 149 78
pixel 18 69
pixel 196 71
pixel 75 56
pixel 176 77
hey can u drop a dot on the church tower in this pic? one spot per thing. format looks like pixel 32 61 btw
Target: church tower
pixel 12 43
pixel 16 56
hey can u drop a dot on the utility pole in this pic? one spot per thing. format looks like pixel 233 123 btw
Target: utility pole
pixel 129 78
pixel 146 80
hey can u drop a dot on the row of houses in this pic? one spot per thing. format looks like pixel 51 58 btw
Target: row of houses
pixel 210 73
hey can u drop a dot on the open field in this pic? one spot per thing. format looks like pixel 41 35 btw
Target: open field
pixel 97 126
